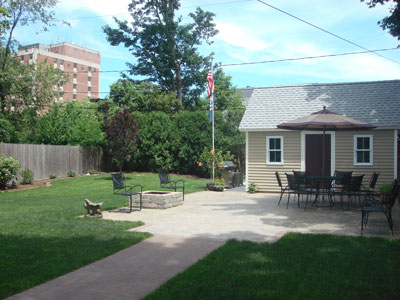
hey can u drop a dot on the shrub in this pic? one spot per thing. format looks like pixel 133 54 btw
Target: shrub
pixel 252 187
pixel 53 176
pixel 92 172
pixel 71 174
pixel 27 176
pixel 385 189
pixel 9 167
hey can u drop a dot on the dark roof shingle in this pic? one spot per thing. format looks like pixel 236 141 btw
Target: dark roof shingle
pixel 375 102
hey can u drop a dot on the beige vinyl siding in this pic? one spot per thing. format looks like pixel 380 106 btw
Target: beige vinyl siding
pixel 260 173
pixel 383 156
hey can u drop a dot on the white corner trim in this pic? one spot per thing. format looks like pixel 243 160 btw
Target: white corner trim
pixel 247 160
pixel 303 151
pixel 395 154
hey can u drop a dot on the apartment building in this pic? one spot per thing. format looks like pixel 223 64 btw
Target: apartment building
pixel 81 64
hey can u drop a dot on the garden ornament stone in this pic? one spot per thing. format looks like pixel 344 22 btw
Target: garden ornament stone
pixel 93 209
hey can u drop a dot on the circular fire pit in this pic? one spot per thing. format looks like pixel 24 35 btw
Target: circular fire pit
pixel 159 200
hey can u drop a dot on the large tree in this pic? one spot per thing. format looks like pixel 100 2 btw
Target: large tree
pixel 142 96
pixel 17 82
pixel 392 22
pixel 165 48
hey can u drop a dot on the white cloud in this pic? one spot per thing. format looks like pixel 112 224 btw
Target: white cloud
pixel 241 36
pixel 106 9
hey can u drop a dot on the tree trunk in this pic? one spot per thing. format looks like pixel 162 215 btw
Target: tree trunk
pixel 179 83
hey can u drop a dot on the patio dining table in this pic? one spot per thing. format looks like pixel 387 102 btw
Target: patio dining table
pixel 321 185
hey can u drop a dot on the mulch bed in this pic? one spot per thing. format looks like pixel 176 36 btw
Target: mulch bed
pixel 35 184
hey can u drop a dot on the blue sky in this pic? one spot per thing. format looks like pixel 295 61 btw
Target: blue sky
pixel 249 31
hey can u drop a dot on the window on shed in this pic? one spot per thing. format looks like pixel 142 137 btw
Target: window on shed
pixel 274 150
pixel 363 154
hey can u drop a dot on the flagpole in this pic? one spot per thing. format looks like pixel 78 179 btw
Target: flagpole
pixel 212 111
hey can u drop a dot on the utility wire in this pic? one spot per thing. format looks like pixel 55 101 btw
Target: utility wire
pixel 260 62
pixel 326 31
pixel 307 57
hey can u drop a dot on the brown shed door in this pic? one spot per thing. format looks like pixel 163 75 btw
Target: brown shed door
pixel 314 154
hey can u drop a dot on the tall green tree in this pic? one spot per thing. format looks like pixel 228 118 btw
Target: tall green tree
pixel 165 48
pixel 142 96
pixel 22 13
pixel 392 22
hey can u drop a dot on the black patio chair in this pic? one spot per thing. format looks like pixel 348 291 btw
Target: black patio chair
pixel 342 179
pixel 167 183
pixel 301 178
pixel 372 204
pixel 121 188
pixel 351 188
pixel 367 191
pixel 283 189
pixel 296 189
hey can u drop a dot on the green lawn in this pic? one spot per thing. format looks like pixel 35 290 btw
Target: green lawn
pixel 298 266
pixel 41 237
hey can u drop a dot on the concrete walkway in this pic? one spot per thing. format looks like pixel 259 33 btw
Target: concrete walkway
pixel 185 234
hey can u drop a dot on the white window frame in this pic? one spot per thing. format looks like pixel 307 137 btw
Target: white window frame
pixel 371 150
pixel 268 151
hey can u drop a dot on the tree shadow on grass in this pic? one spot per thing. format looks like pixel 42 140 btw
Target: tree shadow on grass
pixel 28 261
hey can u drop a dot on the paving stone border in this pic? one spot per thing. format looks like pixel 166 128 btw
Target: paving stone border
pixel 159 199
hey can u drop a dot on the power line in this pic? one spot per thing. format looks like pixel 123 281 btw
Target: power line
pixel 262 62
pixel 306 57
pixel 326 31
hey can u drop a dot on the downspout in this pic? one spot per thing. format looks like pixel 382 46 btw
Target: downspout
pixel 247 160
pixel 395 154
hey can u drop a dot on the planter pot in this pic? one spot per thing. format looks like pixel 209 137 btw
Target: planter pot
pixel 385 199
pixel 210 186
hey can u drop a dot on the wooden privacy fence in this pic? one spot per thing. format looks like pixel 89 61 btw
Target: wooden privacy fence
pixel 44 160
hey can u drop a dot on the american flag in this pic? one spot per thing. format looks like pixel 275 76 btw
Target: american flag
pixel 210 81
pixel 210 92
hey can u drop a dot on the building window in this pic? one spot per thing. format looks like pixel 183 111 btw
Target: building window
pixel 61 62
pixel 55 60
pixel 82 68
pixel 363 145
pixel 74 86
pixel 75 65
pixel 89 69
pixel 89 89
pixel 75 51
pixel 89 55
pixel 22 58
pixel 89 79
pixel 74 96
pixel 31 56
pixel 74 75
pixel 274 150
pixel 94 70
pixel 68 64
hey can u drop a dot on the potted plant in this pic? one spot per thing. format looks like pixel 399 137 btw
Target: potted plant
pixel 219 184
pixel 385 190
pixel 252 188
pixel 210 185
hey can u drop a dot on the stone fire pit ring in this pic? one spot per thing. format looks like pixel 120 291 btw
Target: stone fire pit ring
pixel 159 199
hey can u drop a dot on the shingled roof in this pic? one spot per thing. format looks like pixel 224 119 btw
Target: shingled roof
pixel 375 102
